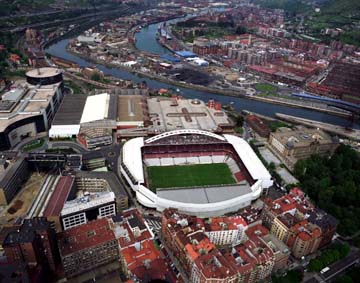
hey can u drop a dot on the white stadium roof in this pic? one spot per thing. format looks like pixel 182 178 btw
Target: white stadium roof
pixel 132 158
pixel 96 108
pixel 252 163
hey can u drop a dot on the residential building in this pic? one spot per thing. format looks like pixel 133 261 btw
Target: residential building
pixel 225 230
pixel 304 238
pixel 33 243
pixel 253 260
pixel 88 246
pixel 294 220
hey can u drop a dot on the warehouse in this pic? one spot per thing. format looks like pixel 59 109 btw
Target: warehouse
pixel 67 120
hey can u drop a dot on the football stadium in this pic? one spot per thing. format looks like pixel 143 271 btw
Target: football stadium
pixel 197 172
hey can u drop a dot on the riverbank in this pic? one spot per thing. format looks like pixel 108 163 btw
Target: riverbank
pixel 231 93
pixel 338 130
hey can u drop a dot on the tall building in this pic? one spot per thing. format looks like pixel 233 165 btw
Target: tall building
pixel 34 243
pixel 88 246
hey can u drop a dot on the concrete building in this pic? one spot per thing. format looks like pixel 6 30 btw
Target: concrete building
pixel 31 107
pixel 13 173
pixel 252 260
pixel 300 143
pixel 76 200
pixel 87 208
pixel 304 239
pixel 140 259
pixel 88 246
pixel 103 181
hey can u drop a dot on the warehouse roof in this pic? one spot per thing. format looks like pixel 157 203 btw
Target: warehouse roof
pixel 96 108
pixel 70 110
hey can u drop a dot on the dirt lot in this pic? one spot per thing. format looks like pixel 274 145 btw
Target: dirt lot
pixel 22 202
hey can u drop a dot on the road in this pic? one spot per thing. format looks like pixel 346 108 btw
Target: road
pixel 336 268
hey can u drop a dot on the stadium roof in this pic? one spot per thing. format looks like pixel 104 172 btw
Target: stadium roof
pixel 96 108
pixel 205 194
pixel 132 158
pixel 184 131
pixel 252 163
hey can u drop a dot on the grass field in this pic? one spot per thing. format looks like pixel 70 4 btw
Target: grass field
pixel 189 175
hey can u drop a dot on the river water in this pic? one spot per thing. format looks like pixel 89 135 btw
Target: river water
pixel 146 40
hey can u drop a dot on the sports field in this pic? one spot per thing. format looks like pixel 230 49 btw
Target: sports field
pixel 189 175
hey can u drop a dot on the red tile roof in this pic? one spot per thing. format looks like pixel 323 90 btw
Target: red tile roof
pixel 85 236
pixel 135 257
pixel 59 196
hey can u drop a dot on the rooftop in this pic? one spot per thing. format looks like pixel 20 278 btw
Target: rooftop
pixel 87 202
pixel 173 113
pixel 131 108
pixel 301 136
pixel 85 236
pixel 33 102
pixel 59 196
pixel 96 108
pixel 70 110
pixel 224 223
pixel 43 72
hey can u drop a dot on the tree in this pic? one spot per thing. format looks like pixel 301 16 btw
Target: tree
pixel 96 77
pixel 344 279
pixel 240 30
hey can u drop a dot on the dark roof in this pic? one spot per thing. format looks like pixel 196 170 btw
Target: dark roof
pixel 117 218
pixel 17 237
pixel 35 223
pixel 92 155
pixel 112 112
pixel 135 222
pixel 324 220
pixel 70 110
pixel 6 176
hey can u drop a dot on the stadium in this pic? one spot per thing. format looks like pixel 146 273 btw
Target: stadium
pixel 195 171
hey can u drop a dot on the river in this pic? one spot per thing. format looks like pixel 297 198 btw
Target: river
pixel 146 40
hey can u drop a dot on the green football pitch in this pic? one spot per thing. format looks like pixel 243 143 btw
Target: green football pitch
pixel 189 175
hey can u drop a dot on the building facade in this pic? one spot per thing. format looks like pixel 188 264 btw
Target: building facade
pixel 88 246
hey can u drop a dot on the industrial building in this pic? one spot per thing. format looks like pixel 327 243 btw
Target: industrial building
pixel 132 113
pixel 30 108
